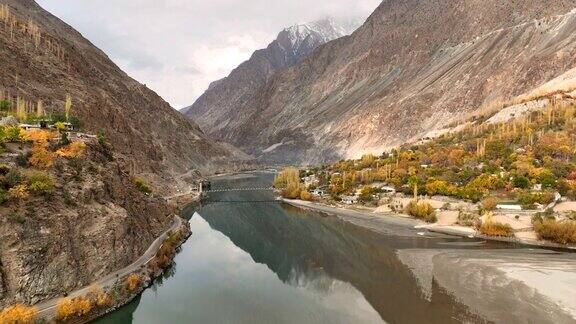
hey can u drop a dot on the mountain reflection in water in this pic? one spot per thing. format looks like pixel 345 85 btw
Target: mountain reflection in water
pixel 274 263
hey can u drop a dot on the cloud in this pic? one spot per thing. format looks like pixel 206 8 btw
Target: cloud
pixel 178 47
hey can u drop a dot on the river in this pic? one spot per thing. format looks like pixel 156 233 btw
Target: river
pixel 252 259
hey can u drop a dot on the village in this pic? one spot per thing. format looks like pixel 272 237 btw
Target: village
pixel 511 181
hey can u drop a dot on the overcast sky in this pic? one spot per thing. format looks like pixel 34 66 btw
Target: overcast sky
pixel 177 47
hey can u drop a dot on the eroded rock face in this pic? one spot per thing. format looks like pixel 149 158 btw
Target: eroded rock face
pixel 413 67
pixel 91 226
pixel 154 139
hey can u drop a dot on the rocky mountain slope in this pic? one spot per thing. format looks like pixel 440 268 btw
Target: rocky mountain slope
pixel 68 220
pixel 415 66
pixel 45 59
pixel 290 47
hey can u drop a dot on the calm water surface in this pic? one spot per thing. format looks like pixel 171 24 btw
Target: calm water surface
pixel 253 260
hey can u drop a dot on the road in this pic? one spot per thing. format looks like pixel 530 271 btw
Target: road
pixel 47 309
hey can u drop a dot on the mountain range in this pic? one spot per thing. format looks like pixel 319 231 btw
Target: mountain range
pixel 290 47
pixel 414 67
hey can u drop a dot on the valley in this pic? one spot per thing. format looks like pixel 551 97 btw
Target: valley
pixel 409 162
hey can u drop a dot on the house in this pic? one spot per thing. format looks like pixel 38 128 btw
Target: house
pixel 311 181
pixel 509 207
pixel 388 190
pixel 317 192
pixel 537 187
pixel 349 200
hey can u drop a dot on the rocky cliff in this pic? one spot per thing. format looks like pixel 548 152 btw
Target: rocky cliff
pixel 75 222
pixel 44 59
pixel 415 66
pixel 293 44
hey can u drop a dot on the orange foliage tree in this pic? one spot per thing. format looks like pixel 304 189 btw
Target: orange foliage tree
pixel 18 314
pixel 72 151
pixel 41 157
pixel 68 308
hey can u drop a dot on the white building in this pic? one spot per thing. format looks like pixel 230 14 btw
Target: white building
pixel 349 200
pixel 509 207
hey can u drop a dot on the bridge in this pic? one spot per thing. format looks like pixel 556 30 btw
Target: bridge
pixel 238 189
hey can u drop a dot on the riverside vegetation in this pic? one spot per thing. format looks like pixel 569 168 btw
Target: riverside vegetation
pixel 524 161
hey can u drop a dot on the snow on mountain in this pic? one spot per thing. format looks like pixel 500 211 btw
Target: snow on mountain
pixel 301 39
pixel 292 45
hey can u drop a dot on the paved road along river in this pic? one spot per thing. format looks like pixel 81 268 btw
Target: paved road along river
pixel 253 260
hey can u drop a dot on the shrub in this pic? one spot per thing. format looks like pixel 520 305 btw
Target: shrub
pixel 142 186
pixel 12 178
pixel 421 210
pixel 489 203
pixel 69 308
pixel 5 105
pixel 22 160
pixel 521 182
pixel 562 232
pixel 18 314
pixel 132 282
pixel 467 219
pixel 73 150
pixel 367 194
pixel 16 218
pixel 98 296
pixel 106 148
pixel 15 134
pixel 41 183
pixel 305 195
pixel 492 228
pixel 18 193
pixel 3 196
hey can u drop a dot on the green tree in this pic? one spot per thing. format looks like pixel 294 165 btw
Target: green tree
pixel 5 105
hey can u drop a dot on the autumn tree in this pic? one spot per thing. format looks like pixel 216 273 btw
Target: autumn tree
pixel 68 308
pixel 18 314
pixel 132 282
pixel 73 150
pixel 41 157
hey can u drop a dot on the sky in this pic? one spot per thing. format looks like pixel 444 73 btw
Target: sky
pixel 177 47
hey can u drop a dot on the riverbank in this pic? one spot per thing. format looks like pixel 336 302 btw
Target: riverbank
pixel 146 268
pixel 371 218
pixel 536 284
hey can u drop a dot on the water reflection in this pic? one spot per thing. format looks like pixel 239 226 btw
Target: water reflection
pixel 273 263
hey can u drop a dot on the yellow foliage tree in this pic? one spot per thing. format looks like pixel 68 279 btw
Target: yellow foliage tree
pixel 69 308
pixel 40 136
pixel 72 150
pixel 41 157
pixel 18 314
pixel 285 177
pixel 132 282
pixel 98 296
